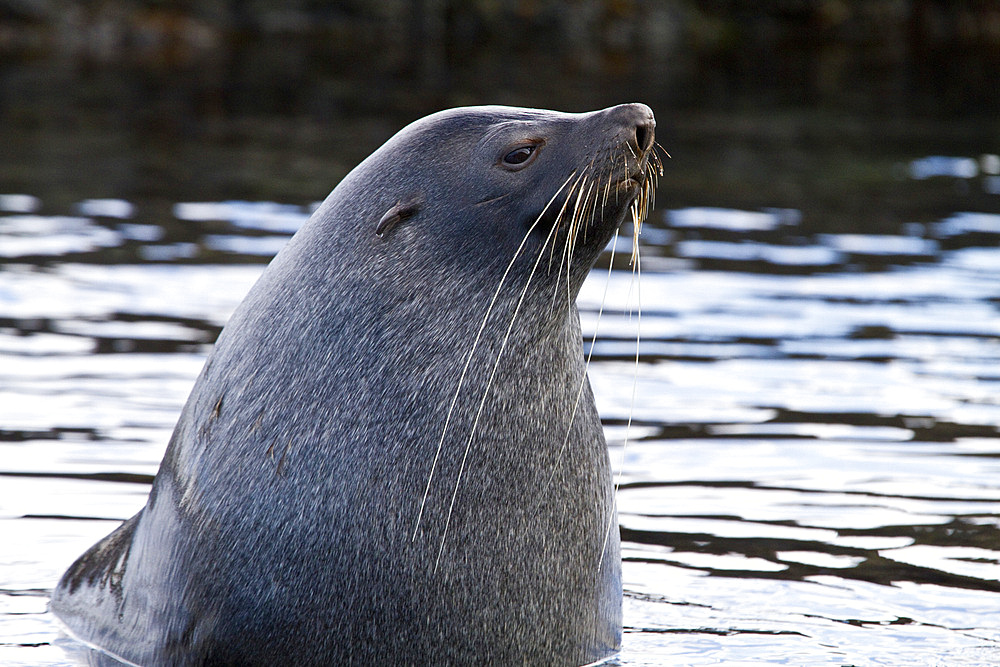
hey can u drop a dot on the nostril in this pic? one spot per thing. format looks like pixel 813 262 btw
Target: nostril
pixel 644 136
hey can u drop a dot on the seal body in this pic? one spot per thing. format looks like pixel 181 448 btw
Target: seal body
pixel 392 454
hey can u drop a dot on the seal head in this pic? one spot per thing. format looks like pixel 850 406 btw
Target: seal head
pixel 392 454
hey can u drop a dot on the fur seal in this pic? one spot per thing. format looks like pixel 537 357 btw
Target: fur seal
pixel 392 454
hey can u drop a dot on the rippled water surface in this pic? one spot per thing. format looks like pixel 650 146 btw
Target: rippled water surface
pixel 808 446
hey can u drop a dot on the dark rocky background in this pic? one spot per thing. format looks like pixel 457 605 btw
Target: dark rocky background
pixel 790 103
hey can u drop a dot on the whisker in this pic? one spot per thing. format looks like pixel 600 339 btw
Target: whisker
pixel 492 199
pixel 586 367
pixel 475 344
pixel 590 207
pixel 578 188
pixel 572 239
pixel 582 210
pixel 631 410
pixel 486 391
pixel 658 145
pixel 607 189
pixel 559 218
pixel 623 159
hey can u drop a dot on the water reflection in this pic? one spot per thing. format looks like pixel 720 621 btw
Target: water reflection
pixel 808 449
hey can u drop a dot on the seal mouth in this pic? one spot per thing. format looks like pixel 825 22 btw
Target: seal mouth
pixel 615 185
pixel 642 169
pixel 637 190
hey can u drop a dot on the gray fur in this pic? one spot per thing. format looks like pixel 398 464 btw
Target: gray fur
pixel 281 527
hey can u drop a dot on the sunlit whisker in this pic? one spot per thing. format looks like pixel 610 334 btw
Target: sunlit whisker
pixel 562 211
pixel 590 354
pixel 486 391
pixel 573 231
pixel 631 410
pixel 472 352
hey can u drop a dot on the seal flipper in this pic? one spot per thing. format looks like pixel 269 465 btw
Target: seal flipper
pixel 91 591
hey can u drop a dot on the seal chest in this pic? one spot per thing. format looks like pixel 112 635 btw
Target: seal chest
pixel 393 454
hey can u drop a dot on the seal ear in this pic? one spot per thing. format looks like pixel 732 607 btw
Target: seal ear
pixel 401 210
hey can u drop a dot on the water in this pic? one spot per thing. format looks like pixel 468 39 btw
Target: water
pixel 812 467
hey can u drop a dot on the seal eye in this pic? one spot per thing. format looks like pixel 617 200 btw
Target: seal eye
pixel 519 157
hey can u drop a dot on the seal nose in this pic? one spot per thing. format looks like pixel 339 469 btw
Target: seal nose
pixel 640 120
pixel 644 135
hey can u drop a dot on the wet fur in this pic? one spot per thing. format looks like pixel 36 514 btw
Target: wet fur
pixel 282 527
